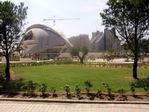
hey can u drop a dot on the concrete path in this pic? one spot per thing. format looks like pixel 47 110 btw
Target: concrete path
pixel 12 106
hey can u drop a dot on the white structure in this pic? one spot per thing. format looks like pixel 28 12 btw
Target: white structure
pixel 43 41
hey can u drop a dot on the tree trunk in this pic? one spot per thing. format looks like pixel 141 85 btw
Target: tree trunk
pixel 135 65
pixel 136 51
pixel 81 60
pixel 7 69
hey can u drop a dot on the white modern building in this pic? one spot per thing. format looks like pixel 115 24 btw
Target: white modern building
pixel 41 41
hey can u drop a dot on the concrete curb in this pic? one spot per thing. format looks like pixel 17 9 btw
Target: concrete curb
pixel 72 101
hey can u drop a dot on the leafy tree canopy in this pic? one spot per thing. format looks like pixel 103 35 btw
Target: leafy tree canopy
pixel 11 20
pixel 130 18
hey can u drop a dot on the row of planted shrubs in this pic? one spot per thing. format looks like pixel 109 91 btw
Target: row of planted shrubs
pixel 30 88
pixel 100 64
pixel 115 65
pixel 39 63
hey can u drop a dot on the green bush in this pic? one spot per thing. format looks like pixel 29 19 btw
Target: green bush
pixel 43 89
pixel 67 90
pixel 109 91
pixel 78 91
pixel 132 89
pixel 2 72
pixel 146 89
pixel 11 87
pixel 30 88
pixel 99 93
pixel 141 83
pixel 88 85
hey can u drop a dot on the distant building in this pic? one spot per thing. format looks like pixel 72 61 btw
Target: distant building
pixel 41 41
pixel 104 42
pixel 80 40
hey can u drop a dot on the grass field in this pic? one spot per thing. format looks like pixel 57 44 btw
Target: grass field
pixel 59 75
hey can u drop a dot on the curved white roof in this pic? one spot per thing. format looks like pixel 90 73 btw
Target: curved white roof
pixel 40 38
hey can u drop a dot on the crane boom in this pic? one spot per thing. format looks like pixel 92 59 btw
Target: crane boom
pixel 55 19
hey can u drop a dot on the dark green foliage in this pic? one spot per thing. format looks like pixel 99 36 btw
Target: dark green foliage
pixel 146 89
pixel 129 18
pixel 11 20
pixel 2 72
pixel 78 91
pixel 67 90
pixel 133 90
pixel 43 89
pixel 109 91
pixel 142 83
pixel 99 93
pixel 88 85
pixel 30 88
pixel 11 87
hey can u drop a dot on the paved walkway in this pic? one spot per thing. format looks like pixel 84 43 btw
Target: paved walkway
pixel 11 106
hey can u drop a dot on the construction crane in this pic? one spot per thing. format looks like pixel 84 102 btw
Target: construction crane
pixel 55 19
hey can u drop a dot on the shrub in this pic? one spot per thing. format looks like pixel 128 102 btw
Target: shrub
pixel 53 90
pixel 30 88
pixel 88 85
pixel 2 72
pixel 11 87
pixel 121 96
pixel 67 90
pixel 109 91
pixel 142 83
pixel 43 89
pixel 78 91
pixel 99 93
pixel 132 88
pixel 121 92
pixel 146 89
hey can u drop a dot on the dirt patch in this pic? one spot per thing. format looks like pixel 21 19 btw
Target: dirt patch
pixel 103 97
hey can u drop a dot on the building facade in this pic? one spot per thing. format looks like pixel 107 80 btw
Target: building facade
pixel 41 41
pixel 104 42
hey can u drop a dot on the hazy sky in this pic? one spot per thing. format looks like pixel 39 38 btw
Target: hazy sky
pixel 87 10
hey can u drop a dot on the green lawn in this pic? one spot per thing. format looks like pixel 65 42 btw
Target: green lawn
pixel 59 75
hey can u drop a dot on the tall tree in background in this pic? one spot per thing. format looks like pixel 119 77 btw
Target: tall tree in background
pixel 79 52
pixel 130 18
pixel 11 20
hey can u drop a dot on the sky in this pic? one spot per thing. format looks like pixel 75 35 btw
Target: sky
pixel 88 12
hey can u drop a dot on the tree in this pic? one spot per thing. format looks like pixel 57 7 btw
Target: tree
pixel 11 20
pixel 79 52
pixel 130 20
